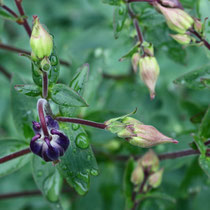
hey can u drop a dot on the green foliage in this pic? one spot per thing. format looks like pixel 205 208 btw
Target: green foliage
pixel 10 146
pixel 65 96
pixel 78 162
pixel 84 32
pixel 47 179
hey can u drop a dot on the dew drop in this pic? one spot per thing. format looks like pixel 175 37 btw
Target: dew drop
pixel 82 141
pixel 75 126
pixel 64 167
pixel 94 172
pixel 54 60
pixel 39 173
pixel 89 157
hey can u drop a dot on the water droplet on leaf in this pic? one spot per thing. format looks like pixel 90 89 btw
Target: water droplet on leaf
pixel 82 141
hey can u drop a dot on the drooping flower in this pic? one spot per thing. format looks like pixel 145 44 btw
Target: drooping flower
pixel 51 147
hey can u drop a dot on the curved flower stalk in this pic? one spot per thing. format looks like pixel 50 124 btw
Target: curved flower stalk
pixel 49 142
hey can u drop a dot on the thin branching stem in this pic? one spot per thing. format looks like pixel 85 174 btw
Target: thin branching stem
pixel 82 122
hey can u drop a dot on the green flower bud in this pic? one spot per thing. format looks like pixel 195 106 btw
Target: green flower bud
pixel 135 61
pixel 41 41
pixel 136 133
pixel 183 39
pixel 148 136
pixel 155 179
pixel 149 72
pixel 198 26
pixel 150 160
pixel 177 19
pixel 137 175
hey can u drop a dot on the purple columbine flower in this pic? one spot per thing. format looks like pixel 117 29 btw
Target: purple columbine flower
pixel 51 147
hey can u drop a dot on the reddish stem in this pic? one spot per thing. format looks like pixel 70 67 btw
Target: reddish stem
pixel 45 85
pixel 18 50
pixel 15 155
pixel 40 106
pixel 10 11
pixel 21 11
pixel 5 72
pixel 82 122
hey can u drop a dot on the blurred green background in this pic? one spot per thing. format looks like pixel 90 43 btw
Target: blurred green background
pixel 83 33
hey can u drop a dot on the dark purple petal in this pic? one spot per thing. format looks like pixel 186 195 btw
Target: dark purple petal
pixel 52 153
pixel 36 147
pixel 36 127
pixel 51 123
pixel 63 142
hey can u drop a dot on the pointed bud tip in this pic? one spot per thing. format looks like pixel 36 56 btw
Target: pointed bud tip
pixel 175 141
pixel 152 96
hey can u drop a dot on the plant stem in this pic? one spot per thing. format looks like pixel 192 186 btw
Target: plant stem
pixel 45 85
pixel 136 24
pixel 18 50
pixel 20 194
pixel 207 45
pixel 5 72
pixel 9 10
pixel 25 22
pixel 82 122
pixel 14 155
pixel 141 189
pixel 40 107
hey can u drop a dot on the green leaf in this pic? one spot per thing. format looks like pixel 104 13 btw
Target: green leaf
pixel 7 16
pixel 79 162
pixel 194 79
pixel 9 146
pixel 120 15
pixel 78 83
pixel 133 50
pixel 127 185
pixel 204 130
pixel 47 178
pixel 112 2
pixel 22 109
pixel 29 90
pixel 65 96
pixel 201 146
pixel 205 164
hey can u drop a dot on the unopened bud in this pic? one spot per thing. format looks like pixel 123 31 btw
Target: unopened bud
pixel 183 39
pixel 170 3
pixel 149 72
pixel 198 26
pixel 148 136
pixel 137 175
pixel 155 179
pixel 150 160
pixel 177 19
pixel 135 61
pixel 136 133
pixel 41 41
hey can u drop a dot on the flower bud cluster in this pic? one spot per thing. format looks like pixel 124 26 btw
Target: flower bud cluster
pixel 148 67
pixel 179 21
pixel 51 147
pixel 147 167
pixel 136 133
